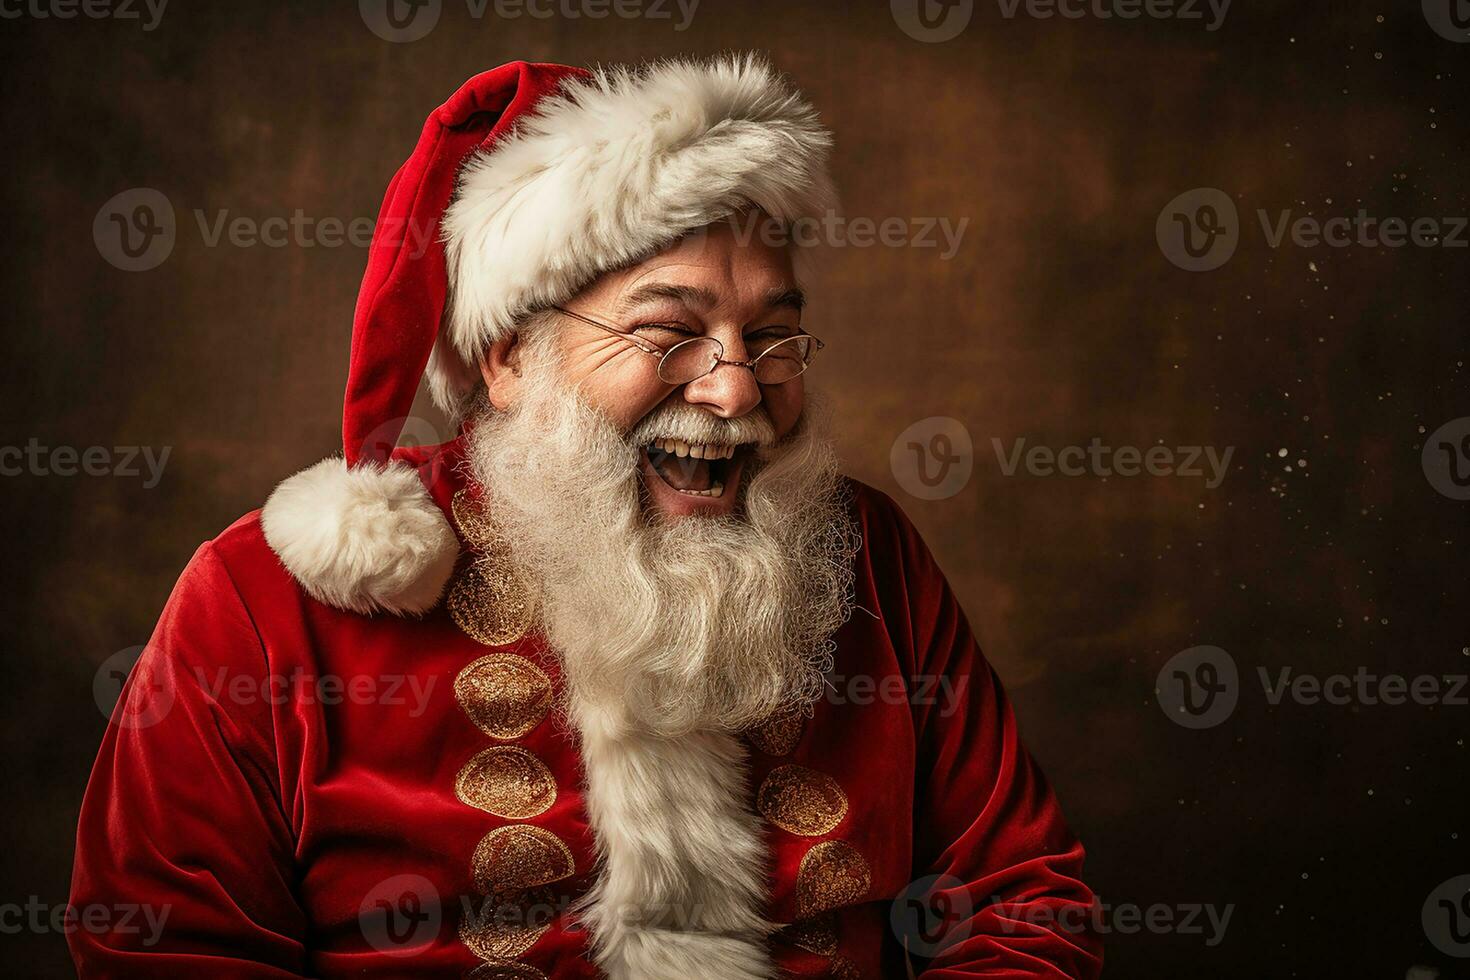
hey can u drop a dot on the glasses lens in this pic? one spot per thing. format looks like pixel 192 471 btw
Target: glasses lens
pixel 783 361
pixel 690 360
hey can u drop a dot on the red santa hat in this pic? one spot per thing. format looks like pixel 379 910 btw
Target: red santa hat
pixel 528 183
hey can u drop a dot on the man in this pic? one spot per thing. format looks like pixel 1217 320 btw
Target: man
pixel 626 680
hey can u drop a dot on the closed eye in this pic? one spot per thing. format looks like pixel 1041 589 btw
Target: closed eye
pixel 667 330
pixel 770 335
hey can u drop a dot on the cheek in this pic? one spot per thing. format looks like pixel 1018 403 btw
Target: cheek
pixel 784 403
pixel 625 392
pixel 629 407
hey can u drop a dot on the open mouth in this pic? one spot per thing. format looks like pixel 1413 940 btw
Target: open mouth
pixel 696 470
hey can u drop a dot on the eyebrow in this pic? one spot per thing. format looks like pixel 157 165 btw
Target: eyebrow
pixel 694 296
pixel 792 298
pixel 700 298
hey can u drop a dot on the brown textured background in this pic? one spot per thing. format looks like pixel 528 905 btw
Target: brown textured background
pixel 1058 320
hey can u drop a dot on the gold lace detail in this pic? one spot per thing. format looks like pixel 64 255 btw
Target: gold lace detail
pixel 507 781
pixel 507 925
pixel 801 800
pixel 831 874
pixel 817 935
pixel 519 857
pixel 778 734
pixel 504 694
pixel 489 600
pixel 504 970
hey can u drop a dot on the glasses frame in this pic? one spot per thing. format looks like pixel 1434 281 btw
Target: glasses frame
pixel 649 347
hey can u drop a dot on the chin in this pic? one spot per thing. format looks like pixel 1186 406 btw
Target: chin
pixel 679 484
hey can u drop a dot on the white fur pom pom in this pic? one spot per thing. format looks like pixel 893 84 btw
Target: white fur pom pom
pixel 363 539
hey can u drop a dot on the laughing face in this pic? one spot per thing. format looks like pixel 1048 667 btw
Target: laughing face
pixel 690 544
pixel 694 439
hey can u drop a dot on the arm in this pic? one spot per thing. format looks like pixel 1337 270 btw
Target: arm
pixel 985 817
pixel 183 815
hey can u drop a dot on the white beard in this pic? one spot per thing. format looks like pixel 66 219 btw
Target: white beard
pixel 673 636
pixel 670 626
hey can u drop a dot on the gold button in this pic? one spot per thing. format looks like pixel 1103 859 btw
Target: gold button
pixel 504 970
pixel 778 734
pixel 802 801
pixel 507 781
pixel 832 874
pixel 506 926
pixel 490 603
pixel 520 857
pixel 504 694
pixel 817 935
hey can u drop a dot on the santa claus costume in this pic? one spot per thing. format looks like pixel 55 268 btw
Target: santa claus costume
pixel 348 748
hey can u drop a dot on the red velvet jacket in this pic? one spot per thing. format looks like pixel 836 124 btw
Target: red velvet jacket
pixel 301 791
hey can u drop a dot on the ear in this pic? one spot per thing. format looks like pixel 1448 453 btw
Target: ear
pixel 500 366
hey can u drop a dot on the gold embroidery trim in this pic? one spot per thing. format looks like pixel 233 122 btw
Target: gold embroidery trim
pixel 519 857
pixel 473 523
pixel 504 970
pixel 504 694
pixel 507 781
pixel 778 734
pixel 831 874
pixel 505 926
pixel 489 600
pixel 818 935
pixel 844 969
pixel 801 800
pixel 490 603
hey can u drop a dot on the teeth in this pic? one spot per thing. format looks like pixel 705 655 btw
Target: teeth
pixel 715 491
pixel 678 447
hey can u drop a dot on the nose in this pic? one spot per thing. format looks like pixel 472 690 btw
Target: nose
pixel 728 391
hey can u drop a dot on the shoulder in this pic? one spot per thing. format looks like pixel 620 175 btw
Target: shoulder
pixel 241 550
pixel 334 539
pixel 240 557
pixel 871 503
pixel 233 585
pixel 903 579
pixel 234 623
pixel 889 537
pixel 206 671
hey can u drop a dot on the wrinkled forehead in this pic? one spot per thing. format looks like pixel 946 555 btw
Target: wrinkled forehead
pixel 726 266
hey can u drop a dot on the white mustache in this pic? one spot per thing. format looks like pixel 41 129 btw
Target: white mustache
pixel 694 425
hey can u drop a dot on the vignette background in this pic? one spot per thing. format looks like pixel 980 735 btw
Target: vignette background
pixel 1060 318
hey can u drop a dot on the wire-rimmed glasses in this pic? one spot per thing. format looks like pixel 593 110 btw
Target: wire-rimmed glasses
pixel 692 359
